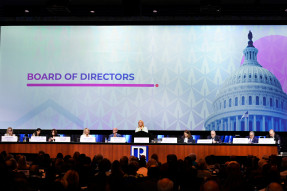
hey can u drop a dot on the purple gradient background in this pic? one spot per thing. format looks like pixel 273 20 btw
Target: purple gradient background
pixel 91 85
pixel 272 55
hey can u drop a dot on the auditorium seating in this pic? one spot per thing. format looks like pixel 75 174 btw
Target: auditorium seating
pixel 78 172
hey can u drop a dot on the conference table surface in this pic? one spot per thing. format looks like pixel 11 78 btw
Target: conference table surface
pixel 114 151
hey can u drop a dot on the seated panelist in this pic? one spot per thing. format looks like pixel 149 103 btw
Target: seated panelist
pixel 141 127
pixel 54 134
pixel 187 137
pixel 9 132
pixel 37 132
pixel 252 138
pixel 215 138
pixel 114 134
pixel 276 137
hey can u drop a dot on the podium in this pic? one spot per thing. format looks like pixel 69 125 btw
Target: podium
pixel 141 137
pixel 141 134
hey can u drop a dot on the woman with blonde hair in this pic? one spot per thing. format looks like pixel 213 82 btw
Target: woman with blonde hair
pixel 141 127
pixel 9 132
pixel 86 133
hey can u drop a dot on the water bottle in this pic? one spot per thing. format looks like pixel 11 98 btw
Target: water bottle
pixel 26 138
pixel 106 139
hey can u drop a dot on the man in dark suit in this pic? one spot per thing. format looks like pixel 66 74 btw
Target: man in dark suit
pixel 215 138
pixel 252 138
pixel 276 137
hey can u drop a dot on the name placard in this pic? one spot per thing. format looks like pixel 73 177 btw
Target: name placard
pixel 118 140
pixel 87 139
pixel 38 139
pixel 266 141
pixel 141 140
pixel 204 141
pixel 240 141
pixel 9 139
pixel 63 139
pixel 169 140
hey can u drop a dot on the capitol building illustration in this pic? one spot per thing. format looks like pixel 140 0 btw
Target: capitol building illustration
pixel 251 90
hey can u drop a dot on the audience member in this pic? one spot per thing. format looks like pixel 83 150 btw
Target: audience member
pixel 155 157
pixel 202 171
pixel 142 167
pixel 165 184
pixel 274 186
pixel 80 173
pixel 210 185
pixel 22 163
pixel 71 181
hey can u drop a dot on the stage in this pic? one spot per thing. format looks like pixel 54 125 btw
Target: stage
pixel 114 151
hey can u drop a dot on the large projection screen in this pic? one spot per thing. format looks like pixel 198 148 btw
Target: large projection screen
pixel 171 77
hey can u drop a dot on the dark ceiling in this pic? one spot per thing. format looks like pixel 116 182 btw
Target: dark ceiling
pixel 73 11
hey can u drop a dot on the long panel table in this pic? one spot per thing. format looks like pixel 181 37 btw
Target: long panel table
pixel 114 151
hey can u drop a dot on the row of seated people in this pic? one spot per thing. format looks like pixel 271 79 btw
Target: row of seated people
pixel 80 172
pixel 86 132
pixel 186 138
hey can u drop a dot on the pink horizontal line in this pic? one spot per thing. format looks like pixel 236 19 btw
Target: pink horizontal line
pixel 90 85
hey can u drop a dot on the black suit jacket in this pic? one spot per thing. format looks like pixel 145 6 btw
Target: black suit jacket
pixel 276 138
pixel 254 140
pixel 190 140
pixel 217 138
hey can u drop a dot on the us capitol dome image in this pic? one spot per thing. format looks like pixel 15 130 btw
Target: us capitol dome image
pixel 251 99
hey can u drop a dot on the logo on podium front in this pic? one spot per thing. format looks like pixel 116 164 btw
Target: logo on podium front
pixel 137 151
